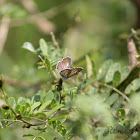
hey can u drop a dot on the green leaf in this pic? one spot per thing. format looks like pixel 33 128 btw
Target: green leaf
pixel 49 96
pixel 133 123
pixel 54 109
pixel 27 108
pixel 36 98
pixel 17 109
pixel 121 113
pixel 1 125
pixel 60 117
pixel 94 68
pixel 12 102
pixel 21 101
pixel 28 135
pixel 41 67
pixel 112 99
pixel 41 94
pixel 103 70
pixel 41 138
pixel 89 66
pixel 118 102
pixel 42 114
pixel 35 105
pixel 12 115
pixel 44 47
pixel 28 46
pixel 48 65
pixel 5 113
pixel 116 78
pixel 61 128
pixel 42 107
pixel 136 84
pixel 22 109
pixel 128 89
pixel 124 72
pixel 111 71
pixel 86 84
pixel 105 95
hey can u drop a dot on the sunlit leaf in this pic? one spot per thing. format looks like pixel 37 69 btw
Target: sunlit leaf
pixel 34 106
pixel 22 109
pixel 12 102
pixel 21 100
pixel 113 68
pixel 88 66
pixel 94 68
pixel 44 47
pixel 124 72
pixel 103 70
pixel 54 109
pixel 49 96
pixel 45 104
pixel 28 46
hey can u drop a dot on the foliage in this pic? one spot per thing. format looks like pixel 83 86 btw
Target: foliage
pixel 101 102
pixel 84 109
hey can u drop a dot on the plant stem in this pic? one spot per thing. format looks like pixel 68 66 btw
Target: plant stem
pixel 113 88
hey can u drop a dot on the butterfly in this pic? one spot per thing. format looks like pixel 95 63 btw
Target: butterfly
pixel 63 67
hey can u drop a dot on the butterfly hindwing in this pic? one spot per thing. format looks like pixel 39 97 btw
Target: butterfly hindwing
pixel 59 66
pixel 67 73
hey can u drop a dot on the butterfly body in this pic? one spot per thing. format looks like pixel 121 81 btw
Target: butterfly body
pixel 63 67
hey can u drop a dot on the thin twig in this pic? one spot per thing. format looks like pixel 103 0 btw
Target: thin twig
pixel 48 13
pixel 54 40
pixel 4 27
pixel 39 20
pixel 132 53
pixel 116 91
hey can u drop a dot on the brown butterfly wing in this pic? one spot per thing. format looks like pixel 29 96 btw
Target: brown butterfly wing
pixel 67 73
pixel 59 66
pixel 66 62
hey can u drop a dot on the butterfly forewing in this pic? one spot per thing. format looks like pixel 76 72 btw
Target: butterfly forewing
pixel 66 63
pixel 67 73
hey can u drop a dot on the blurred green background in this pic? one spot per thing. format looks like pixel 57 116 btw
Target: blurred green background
pixel 94 27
